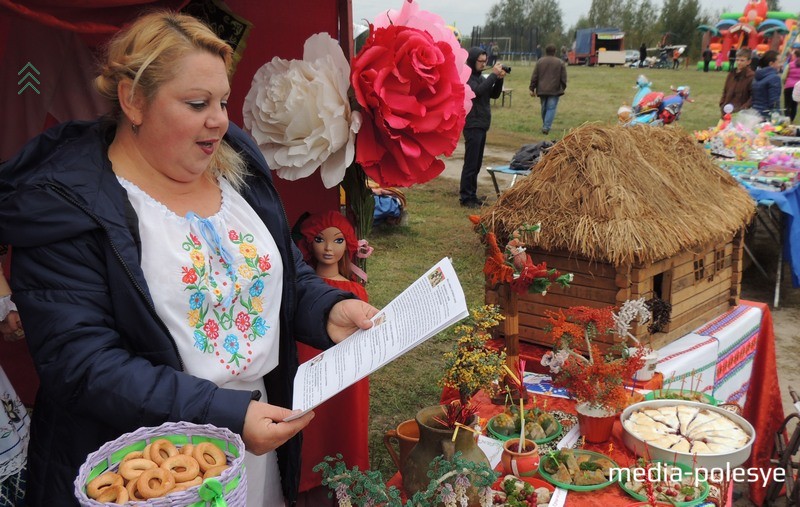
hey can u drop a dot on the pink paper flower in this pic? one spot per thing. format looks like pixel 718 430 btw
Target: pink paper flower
pixel 412 16
pixel 413 105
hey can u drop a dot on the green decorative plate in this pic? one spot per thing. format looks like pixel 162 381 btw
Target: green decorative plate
pixel 687 470
pixel 677 394
pixel 593 456
pixel 499 436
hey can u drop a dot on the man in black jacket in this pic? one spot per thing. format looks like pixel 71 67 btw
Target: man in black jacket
pixel 477 124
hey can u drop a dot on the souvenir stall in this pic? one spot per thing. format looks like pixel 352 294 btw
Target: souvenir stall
pixel 765 160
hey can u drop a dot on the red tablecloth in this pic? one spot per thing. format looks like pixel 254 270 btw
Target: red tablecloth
pixel 763 409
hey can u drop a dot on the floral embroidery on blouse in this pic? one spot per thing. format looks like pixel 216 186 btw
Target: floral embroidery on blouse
pixel 225 318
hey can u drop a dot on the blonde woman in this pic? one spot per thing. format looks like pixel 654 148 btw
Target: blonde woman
pixel 155 272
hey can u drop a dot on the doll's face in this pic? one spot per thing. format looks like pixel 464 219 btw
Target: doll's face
pixel 329 246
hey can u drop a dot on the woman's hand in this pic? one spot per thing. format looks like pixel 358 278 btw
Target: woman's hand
pixel 11 327
pixel 265 429
pixel 347 317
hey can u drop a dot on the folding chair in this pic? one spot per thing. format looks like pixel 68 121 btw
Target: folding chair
pixel 504 169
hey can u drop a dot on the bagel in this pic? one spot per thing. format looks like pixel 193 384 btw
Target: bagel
pixel 187 449
pixel 209 455
pixel 113 494
pixel 183 468
pixel 183 486
pixel 146 452
pixel 133 468
pixel 215 471
pixel 100 483
pixel 132 455
pixel 133 492
pixel 162 449
pixel 155 483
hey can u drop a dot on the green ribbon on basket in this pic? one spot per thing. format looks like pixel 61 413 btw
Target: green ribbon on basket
pixel 211 492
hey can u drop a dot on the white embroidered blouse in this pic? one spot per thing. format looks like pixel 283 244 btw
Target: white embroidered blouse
pixel 216 283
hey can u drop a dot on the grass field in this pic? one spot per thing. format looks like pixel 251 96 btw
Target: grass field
pixel 438 227
pixel 595 94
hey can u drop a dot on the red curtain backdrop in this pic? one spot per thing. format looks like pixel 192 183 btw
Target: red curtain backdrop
pixel 62 38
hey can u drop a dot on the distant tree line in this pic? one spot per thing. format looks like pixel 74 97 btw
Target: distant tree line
pixel 525 24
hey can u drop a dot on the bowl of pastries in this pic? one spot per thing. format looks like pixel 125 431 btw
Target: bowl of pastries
pixel 682 430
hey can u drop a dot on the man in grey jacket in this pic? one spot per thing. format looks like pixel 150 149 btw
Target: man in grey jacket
pixel 549 80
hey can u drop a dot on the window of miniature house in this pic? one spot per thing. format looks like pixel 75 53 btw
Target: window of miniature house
pixel 699 269
pixel 719 259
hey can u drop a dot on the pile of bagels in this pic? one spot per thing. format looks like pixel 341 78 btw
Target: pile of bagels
pixel 159 469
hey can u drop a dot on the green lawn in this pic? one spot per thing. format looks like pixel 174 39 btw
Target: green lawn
pixel 595 94
pixel 438 227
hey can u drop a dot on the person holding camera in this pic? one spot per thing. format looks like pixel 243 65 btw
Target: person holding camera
pixel 548 82
pixel 478 121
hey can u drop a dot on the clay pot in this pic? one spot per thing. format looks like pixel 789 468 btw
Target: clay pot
pixel 435 440
pixel 405 437
pixel 595 424
pixel 521 464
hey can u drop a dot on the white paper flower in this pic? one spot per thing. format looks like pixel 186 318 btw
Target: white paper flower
pixel 299 114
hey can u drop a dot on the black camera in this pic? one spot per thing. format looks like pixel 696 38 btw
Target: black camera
pixel 507 69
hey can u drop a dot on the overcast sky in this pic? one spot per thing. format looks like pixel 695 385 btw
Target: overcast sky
pixel 468 13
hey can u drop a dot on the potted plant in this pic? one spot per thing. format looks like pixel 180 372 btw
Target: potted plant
pixel 596 382
pixel 471 365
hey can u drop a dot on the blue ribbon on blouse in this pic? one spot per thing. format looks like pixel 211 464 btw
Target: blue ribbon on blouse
pixel 214 240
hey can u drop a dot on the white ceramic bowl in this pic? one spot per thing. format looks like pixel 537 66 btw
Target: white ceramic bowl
pixel 733 458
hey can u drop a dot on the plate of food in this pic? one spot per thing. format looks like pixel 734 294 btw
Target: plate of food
pixel 680 394
pixel 692 433
pixel 521 491
pixel 540 426
pixel 674 483
pixel 577 469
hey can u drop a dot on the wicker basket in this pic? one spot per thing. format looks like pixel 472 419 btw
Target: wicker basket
pixel 233 481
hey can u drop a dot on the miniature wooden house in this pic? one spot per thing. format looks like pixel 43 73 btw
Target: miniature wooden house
pixel 631 212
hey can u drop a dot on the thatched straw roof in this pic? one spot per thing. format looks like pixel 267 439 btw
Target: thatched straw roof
pixel 623 195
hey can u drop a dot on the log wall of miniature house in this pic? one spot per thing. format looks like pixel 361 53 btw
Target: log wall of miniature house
pixel 700 285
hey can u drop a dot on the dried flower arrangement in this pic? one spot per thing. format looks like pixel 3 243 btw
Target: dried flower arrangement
pixel 599 379
pixel 471 365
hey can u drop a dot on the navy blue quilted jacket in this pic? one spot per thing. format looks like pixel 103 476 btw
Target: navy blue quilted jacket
pixel 107 363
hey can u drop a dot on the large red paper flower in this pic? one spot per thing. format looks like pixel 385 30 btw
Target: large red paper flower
pixel 412 97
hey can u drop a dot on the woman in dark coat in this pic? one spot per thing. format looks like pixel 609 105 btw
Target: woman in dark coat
pixel 134 321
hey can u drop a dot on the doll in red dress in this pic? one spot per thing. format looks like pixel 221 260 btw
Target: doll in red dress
pixel 341 424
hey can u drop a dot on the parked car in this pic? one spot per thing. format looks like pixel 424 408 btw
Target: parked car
pixel 631 55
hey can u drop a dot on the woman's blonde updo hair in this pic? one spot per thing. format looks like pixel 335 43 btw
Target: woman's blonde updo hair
pixel 146 51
